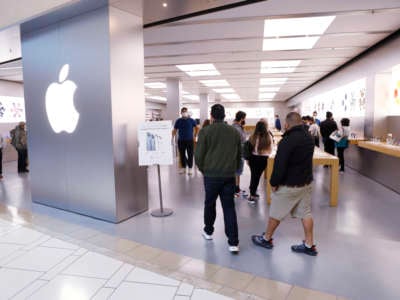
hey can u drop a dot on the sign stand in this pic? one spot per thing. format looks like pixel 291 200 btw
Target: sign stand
pixel 161 212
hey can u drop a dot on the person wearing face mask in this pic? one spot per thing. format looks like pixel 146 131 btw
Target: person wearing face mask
pixel 187 131
pixel 238 124
pixel 19 141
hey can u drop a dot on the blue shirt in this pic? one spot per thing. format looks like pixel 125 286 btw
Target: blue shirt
pixel 185 128
pixel 278 124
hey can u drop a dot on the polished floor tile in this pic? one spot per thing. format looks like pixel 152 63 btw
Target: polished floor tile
pixel 119 276
pixel 199 294
pixel 94 265
pixel 185 289
pixel 298 293
pixel 29 290
pixel 39 259
pixel 130 290
pixel 231 278
pixel 269 289
pixel 68 288
pixel 8 249
pixel 14 281
pixel 143 276
pixel 56 243
pixel 199 268
pixel 21 236
pixel 103 294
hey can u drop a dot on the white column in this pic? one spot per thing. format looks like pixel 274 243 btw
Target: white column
pixel 204 113
pixel 174 92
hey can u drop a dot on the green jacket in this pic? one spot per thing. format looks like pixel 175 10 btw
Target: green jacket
pixel 218 150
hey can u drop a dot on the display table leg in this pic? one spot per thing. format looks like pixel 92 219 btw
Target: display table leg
pixel 334 183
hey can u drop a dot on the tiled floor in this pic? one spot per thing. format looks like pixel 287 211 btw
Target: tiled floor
pixel 349 264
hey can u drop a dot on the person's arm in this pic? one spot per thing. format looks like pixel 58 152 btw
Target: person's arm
pixel 200 151
pixel 239 151
pixel 281 163
pixel 174 131
pixel 196 129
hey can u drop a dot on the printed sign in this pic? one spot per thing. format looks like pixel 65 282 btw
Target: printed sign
pixel 12 109
pixel 155 147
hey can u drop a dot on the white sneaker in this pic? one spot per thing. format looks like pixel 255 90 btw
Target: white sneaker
pixel 206 236
pixel 190 171
pixel 234 249
pixel 182 171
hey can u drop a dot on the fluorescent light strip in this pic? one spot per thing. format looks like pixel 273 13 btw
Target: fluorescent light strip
pixel 191 97
pixel 269 89
pixel 155 85
pixel 297 26
pixel 230 96
pixel 157 98
pixel 272 81
pixel 296 43
pixel 266 95
pixel 203 73
pixel 277 70
pixel 199 70
pixel 224 91
pixel 214 83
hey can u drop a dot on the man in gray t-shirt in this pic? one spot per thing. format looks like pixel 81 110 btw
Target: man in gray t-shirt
pixel 238 124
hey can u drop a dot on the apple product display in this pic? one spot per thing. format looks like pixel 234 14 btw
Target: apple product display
pixel 60 106
pixel 12 109
pixel 155 146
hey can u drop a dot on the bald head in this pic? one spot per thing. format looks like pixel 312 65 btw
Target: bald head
pixel 293 119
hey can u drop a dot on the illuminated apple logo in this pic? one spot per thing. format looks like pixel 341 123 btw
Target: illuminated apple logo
pixel 60 107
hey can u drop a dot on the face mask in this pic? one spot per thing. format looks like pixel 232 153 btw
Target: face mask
pixel 185 115
pixel 242 123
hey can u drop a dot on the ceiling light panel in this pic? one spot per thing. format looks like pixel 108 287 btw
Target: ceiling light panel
pixel 155 85
pixel 277 70
pixel 199 70
pixel 157 98
pixel 296 43
pixel 224 91
pixel 214 83
pixel 297 26
pixel 272 81
pixel 191 97
pixel 266 95
pixel 269 89
pixel 230 96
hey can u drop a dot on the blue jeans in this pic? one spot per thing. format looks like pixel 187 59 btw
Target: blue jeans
pixel 225 189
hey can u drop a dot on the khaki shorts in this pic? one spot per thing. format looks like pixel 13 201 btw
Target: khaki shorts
pixel 293 200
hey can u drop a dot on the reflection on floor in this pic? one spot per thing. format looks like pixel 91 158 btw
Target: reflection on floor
pixel 358 241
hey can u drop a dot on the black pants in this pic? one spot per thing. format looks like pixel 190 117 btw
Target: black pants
pixel 329 146
pixel 1 161
pixel 225 189
pixel 257 164
pixel 22 160
pixel 316 141
pixel 340 154
pixel 186 146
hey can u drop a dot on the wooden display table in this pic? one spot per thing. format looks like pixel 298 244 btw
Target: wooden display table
pixel 320 158
pixel 381 148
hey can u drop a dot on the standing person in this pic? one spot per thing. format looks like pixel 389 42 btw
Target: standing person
pixel 343 144
pixel 238 124
pixel 19 141
pixel 206 123
pixel 317 121
pixel 187 132
pixel 314 131
pixel 278 125
pixel 218 155
pixel 261 142
pixel 291 185
pixel 327 127
pixel 2 145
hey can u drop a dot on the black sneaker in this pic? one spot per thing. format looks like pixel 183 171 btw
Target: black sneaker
pixel 304 249
pixel 259 240
pixel 252 200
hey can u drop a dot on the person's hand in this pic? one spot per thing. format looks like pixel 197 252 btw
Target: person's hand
pixel 274 188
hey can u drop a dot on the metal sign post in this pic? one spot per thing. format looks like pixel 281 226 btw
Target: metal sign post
pixel 161 212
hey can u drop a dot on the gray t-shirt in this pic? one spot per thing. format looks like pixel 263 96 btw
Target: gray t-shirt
pixel 241 131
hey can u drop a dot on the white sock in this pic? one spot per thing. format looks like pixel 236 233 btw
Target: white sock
pixel 307 245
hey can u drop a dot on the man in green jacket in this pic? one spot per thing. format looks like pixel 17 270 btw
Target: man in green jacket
pixel 218 155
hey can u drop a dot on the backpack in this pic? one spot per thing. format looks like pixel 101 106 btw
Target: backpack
pixel 13 138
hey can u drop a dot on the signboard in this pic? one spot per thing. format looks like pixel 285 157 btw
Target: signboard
pixel 12 109
pixel 155 147
pixel 394 105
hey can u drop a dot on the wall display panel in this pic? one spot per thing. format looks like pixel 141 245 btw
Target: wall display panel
pixel 345 101
pixel 12 109
pixel 252 113
pixel 394 105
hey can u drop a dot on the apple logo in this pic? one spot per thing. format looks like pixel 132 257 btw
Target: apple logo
pixel 60 107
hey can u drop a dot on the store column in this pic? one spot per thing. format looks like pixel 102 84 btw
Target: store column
pixel 84 92
pixel 204 113
pixel 174 93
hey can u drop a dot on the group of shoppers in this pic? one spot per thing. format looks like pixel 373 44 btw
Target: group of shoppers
pixel 18 139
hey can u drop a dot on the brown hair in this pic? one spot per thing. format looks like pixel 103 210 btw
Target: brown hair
pixel 261 133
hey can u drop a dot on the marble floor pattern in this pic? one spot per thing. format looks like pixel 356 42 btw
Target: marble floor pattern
pixel 358 240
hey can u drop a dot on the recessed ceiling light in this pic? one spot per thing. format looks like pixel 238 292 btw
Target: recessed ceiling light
pixel 191 97
pixel 165 4
pixel 272 81
pixel 295 43
pixel 270 89
pixel 297 26
pixel 157 98
pixel 224 90
pixel 215 83
pixel 230 96
pixel 277 70
pixel 266 95
pixel 155 85
pixel 199 70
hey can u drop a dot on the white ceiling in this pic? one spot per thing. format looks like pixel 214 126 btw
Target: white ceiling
pixel 232 40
